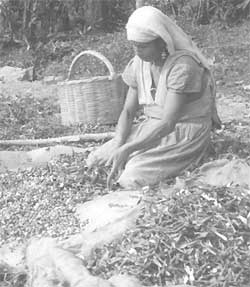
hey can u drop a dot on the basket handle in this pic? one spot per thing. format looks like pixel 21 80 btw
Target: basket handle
pixel 96 54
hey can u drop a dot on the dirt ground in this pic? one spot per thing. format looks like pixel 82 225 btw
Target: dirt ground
pixel 226 47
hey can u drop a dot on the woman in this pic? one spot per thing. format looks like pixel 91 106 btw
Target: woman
pixel 170 78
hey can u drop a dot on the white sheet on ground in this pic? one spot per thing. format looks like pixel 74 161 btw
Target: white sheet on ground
pixel 225 173
pixel 14 160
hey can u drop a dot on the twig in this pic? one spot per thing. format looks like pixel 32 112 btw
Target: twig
pixel 74 138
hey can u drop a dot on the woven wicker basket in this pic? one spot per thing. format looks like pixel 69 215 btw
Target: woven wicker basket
pixel 94 100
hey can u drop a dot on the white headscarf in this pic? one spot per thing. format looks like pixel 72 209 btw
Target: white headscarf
pixel 148 23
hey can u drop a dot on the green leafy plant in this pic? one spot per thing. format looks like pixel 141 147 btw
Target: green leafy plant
pixel 205 11
pixel 34 21
pixel 228 11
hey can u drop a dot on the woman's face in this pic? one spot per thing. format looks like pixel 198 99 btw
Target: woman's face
pixel 150 51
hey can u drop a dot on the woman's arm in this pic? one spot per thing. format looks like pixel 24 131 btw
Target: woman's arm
pixel 127 116
pixel 172 110
pixel 171 113
pixel 122 131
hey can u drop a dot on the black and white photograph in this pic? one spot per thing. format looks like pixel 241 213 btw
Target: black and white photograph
pixel 125 143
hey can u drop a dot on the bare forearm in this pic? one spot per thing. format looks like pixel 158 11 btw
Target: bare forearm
pixel 125 122
pixel 159 129
pixel 123 128
pixel 150 138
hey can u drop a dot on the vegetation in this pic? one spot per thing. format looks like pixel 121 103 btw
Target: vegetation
pixel 37 199
pixel 206 11
pixel 38 20
pixel 35 21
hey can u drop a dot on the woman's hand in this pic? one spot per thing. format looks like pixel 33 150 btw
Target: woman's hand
pixel 118 161
pixel 95 159
pixel 102 154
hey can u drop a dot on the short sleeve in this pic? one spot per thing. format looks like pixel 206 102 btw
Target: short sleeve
pixel 186 76
pixel 129 74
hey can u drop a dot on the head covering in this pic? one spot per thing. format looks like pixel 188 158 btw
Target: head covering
pixel 148 23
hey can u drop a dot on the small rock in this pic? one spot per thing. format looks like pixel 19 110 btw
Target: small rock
pixel 52 80
pixel 49 80
pixel 246 88
pixel 14 74
pixel 29 74
pixel 239 83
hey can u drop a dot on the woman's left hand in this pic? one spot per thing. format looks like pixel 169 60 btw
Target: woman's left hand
pixel 118 161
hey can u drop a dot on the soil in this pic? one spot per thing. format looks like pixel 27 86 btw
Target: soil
pixel 36 116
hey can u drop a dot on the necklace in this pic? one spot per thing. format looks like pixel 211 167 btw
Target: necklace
pixel 155 72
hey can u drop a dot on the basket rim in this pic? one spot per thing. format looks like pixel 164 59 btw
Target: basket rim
pixel 89 80
pixel 95 54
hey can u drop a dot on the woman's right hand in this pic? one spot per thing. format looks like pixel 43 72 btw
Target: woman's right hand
pixel 123 129
pixel 91 160
pixel 96 158
pixel 102 154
